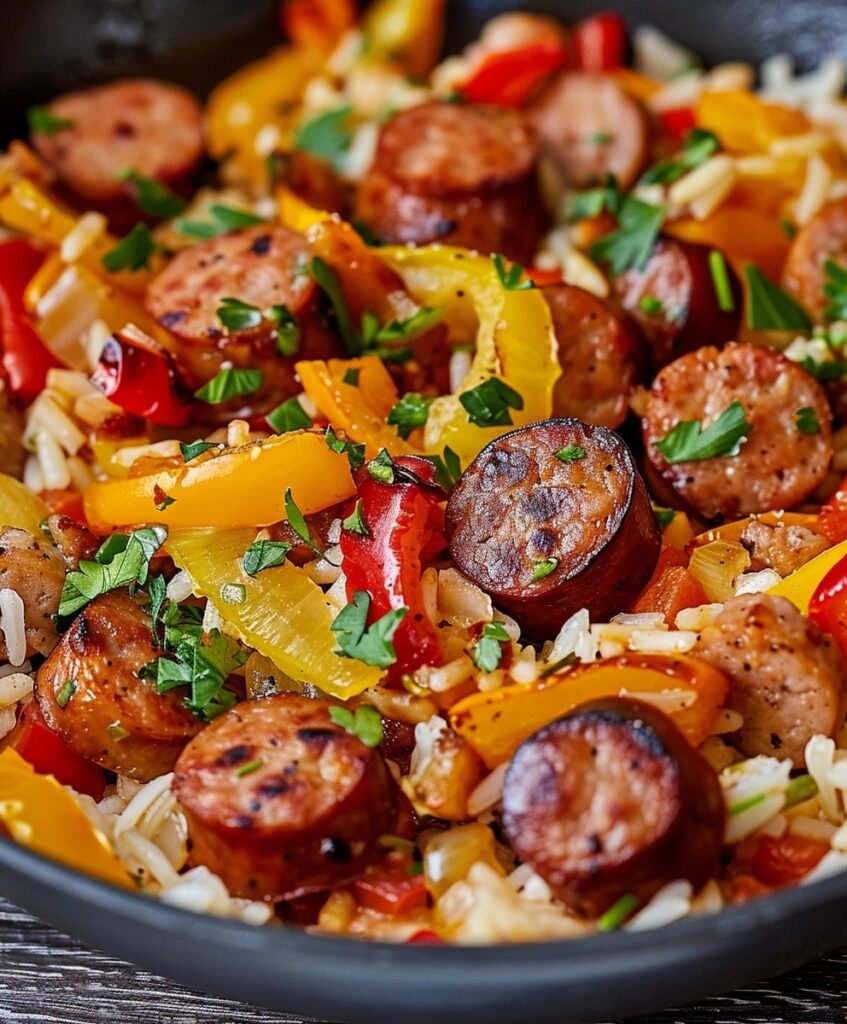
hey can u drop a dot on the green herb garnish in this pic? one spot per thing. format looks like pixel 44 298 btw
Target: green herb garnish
pixel 372 645
pixel 806 421
pixel 617 913
pixel 264 554
pixel 632 244
pixel 651 305
pixel 689 442
pixel 355 522
pixel 364 723
pixel 511 277
pixel 132 253
pixel 249 768
pixel 410 412
pixel 488 404
pixel 721 281
pixel 287 330
pixel 769 308
pixel 570 453
pixel 487 651
pixel 202 663
pixel 543 569
pixel 448 468
pixel 195 449
pixel 230 383
pixel 381 468
pixel 835 290
pixel 355 452
pixel 237 315
pixel 42 122
pixel 327 136
pixel 223 219
pixel 152 196
pixel 696 150
pixel 289 415
pixel 65 694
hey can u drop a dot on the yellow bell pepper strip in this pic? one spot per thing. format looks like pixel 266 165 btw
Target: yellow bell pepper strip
pixel 514 339
pixel 236 487
pixel 408 32
pixel 295 213
pixel 284 615
pixel 37 812
pixel 19 507
pixel 27 208
pixel 360 410
pixel 801 585
pixel 732 531
pixel 688 690
pixel 741 233
pixel 746 124
pixel 678 533
pixel 266 92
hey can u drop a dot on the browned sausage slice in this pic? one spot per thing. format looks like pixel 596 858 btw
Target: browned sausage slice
pixel 598 354
pixel 102 652
pixel 778 466
pixel 780 547
pixel 823 238
pixel 611 800
pixel 591 128
pixel 150 127
pixel 552 518
pixel 462 174
pixel 788 679
pixel 35 570
pixel 281 801
pixel 673 301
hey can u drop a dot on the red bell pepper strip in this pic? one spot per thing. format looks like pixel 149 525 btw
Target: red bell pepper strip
pixel 541 277
pixel 828 606
pixel 405 527
pixel 25 358
pixel 509 78
pixel 141 377
pixel 600 42
pixel 832 521
pixel 425 937
pixel 390 893
pixel 678 121
pixel 50 755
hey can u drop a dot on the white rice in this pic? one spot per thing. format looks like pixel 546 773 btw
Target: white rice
pixel 13 626
pixel 90 227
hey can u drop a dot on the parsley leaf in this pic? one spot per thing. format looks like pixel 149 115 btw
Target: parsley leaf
pixel 664 516
pixel 297 521
pixel 512 277
pixel 689 442
pixel 351 377
pixel 372 645
pixel 721 281
pixel 543 568
pixel 132 253
pixel 120 561
pixel 152 196
pixel 289 415
pixel 287 330
pixel 830 369
pixel 156 591
pixel 264 554
pixel 410 412
pixel 230 383
pixel 64 695
pixel 593 201
pixel 381 468
pixel 488 404
pixel 224 218
pixel 355 522
pixel 327 136
pixel 570 453
pixel 201 662
pixel 448 468
pixel 236 315
pixel 327 279
pixel 632 244
pixel 376 338
pixel 487 652
pixel 364 723
pixel 195 449
pixel 807 421
pixel 835 290
pixel 355 452
pixel 42 122
pixel 769 308
pixel 696 150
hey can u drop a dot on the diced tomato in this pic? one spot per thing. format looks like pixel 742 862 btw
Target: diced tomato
pixel 50 755
pixel 509 77
pixel 784 860
pixel 600 42
pixel 64 503
pixel 25 358
pixel 828 606
pixel 390 893
pixel 425 937
pixel 832 521
pixel 671 587
pixel 678 121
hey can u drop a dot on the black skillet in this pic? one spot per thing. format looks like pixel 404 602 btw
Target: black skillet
pixel 50 45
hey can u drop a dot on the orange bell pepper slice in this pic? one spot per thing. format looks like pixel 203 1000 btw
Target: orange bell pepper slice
pixel 359 410
pixel 741 233
pixel 746 124
pixel 408 32
pixel 238 487
pixel 318 24
pixel 689 691
pixel 671 587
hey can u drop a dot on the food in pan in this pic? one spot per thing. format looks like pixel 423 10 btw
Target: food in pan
pixel 422 506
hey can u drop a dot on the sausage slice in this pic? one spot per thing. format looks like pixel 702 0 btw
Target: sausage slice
pixel 462 174
pixel 778 466
pixel 547 534
pixel 102 652
pixel 280 801
pixel 598 354
pixel 609 800
pixel 788 678
pixel 150 127
pixel 674 302
pixel 823 238
pixel 591 128
pixel 35 570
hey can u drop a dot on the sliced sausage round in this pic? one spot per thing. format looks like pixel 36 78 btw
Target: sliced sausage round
pixel 778 466
pixel 823 238
pixel 280 801
pixel 674 302
pixel 591 128
pixel 35 570
pixel 610 800
pixel 598 354
pixel 113 717
pixel 781 547
pixel 462 174
pixel 789 682
pixel 552 518
pixel 152 128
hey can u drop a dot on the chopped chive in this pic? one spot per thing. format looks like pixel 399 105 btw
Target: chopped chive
pixel 720 279
pixel 542 569
pixel 651 305
pixel 617 913
pixel 248 769
pixel 745 805
pixel 802 788
pixel 65 694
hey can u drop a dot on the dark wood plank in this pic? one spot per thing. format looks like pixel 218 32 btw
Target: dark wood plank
pixel 47 978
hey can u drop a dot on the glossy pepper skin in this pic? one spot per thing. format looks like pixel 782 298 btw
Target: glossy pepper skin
pixel 405 525
pixel 828 606
pixel 25 359
pixel 509 77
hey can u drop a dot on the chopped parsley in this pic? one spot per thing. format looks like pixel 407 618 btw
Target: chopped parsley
pixel 42 122
pixel 364 723
pixel 264 554
pixel 631 245
pixel 230 383
pixel 160 499
pixel 372 645
pixel 327 136
pixel 195 449
pixel 488 404
pixel 593 201
pixel 830 369
pixel 410 412
pixel 249 768
pixel 355 452
pixel 689 442
pixel 651 305
pixel 223 219
pixel 600 138
pixel 287 330
pixel 696 150
pixel 617 913
pixel 122 560
pixel 397 330
pixel 351 377
pixel 769 308
pixel 327 279
pixel 448 468
pixel 157 592
pixel 570 453
pixel 152 196
pixel 297 522
pixel 289 415
pixel 807 421
pixel 511 277
pixel 355 522
pixel 721 281
pixel 487 651
pixel 237 315
pixel 543 569
pixel 835 290
pixel 65 694
pixel 132 253
pixel 381 468
pixel 664 516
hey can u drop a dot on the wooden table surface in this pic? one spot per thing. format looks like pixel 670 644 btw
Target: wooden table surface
pixel 46 978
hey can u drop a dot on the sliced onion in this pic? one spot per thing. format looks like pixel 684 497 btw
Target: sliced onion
pixel 716 566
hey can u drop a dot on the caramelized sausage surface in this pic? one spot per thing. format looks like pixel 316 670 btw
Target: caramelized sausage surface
pixel 552 518
pixel 823 238
pixel 305 814
pixel 35 570
pixel 610 800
